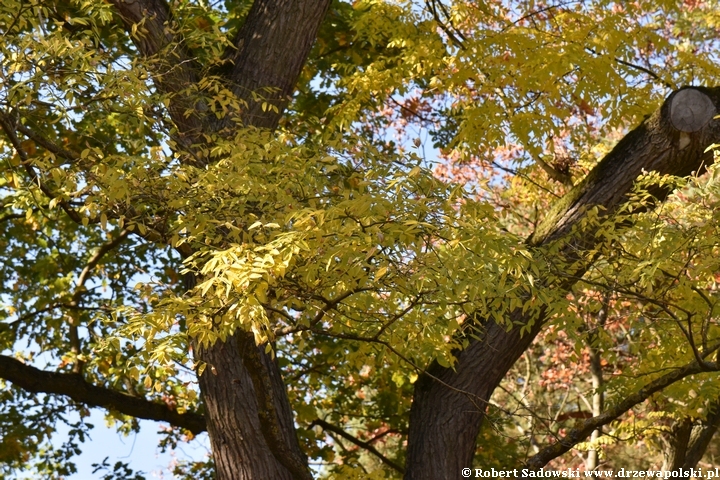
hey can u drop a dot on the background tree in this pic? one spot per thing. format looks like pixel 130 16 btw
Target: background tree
pixel 206 223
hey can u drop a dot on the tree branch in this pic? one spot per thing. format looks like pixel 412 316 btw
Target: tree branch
pixel 362 444
pixel 444 423
pixel 41 140
pixel 75 343
pixel 75 387
pixel 8 125
pixel 577 435
pixel 175 70
pixel 271 32
pixel 92 263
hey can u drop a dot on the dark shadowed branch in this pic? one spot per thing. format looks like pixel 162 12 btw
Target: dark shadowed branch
pixel 360 443
pixel 75 387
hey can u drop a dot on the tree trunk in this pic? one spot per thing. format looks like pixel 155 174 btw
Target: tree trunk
pixel 447 410
pixel 250 421
pixel 676 445
pixel 687 441
pixel 249 418
pixel 449 406
pixel 592 461
pixel 251 430
pixel 701 436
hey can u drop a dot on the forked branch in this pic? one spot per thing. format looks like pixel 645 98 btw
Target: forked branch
pixel 356 441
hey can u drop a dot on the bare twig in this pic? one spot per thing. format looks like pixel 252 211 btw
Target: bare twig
pixel 360 443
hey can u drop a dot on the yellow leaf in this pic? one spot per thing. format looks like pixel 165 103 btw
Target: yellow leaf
pixel 380 273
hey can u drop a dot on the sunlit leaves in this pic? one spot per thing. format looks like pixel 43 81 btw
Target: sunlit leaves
pixel 331 239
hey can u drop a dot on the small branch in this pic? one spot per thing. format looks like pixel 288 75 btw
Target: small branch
pixel 397 317
pixel 476 401
pixel 12 216
pixel 329 305
pixel 553 173
pixel 708 317
pixel 645 70
pixel 432 7
pixel 75 343
pixel 41 140
pixel 596 372
pixel 94 260
pixel 577 435
pixel 75 387
pixel 410 111
pixel 636 67
pixel 360 443
pixel 524 176
pixel 665 307
pixel 9 126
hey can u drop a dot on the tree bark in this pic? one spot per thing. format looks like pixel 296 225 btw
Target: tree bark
pixel 175 69
pixel 446 415
pixel 676 445
pixel 687 441
pixel 272 48
pixel 244 443
pixel 701 436
pixel 248 414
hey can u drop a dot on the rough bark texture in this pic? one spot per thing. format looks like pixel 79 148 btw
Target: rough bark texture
pixel 271 50
pixel 175 69
pixel 446 415
pixel 688 440
pixel 676 444
pixel 249 418
pixel 240 446
pixel 701 436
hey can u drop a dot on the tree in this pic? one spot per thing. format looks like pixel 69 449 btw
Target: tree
pixel 203 192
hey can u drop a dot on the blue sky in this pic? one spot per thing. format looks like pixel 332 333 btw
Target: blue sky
pixel 139 450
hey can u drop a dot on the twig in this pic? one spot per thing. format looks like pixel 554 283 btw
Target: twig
pixel 360 443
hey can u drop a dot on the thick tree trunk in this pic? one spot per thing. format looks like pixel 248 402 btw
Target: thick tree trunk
pixel 272 48
pixel 701 436
pixel 449 406
pixel 251 430
pixel 676 444
pixel 249 419
pixel 687 441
